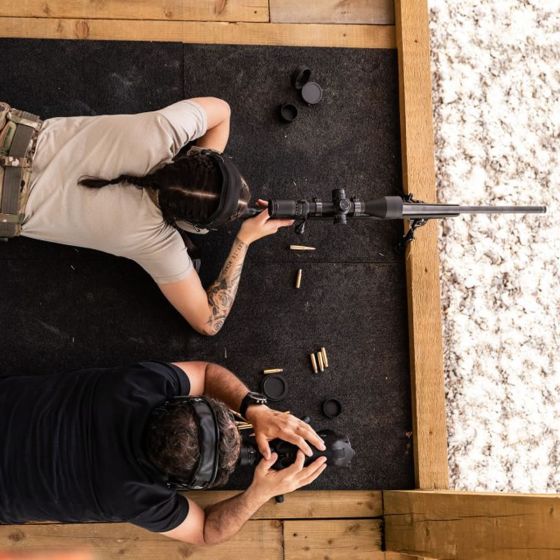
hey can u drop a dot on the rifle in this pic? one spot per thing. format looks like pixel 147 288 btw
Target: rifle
pixel 404 207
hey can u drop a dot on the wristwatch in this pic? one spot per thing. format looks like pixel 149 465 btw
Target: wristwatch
pixel 251 398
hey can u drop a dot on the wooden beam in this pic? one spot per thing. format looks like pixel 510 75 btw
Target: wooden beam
pixel 401 556
pixel 471 525
pixel 422 259
pixel 349 36
pixel 355 539
pixel 172 10
pixel 258 539
pixel 308 504
pixel 378 12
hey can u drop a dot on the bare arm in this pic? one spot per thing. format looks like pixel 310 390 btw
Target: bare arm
pixel 221 294
pixel 215 381
pixel 218 382
pixel 223 520
pixel 218 115
pixel 207 310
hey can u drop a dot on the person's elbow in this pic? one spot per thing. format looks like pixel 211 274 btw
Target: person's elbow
pixel 217 110
pixel 207 537
pixel 212 535
pixel 203 541
pixel 223 107
pixel 207 328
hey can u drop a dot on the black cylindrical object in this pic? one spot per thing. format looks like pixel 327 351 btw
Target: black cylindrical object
pixel 339 452
pixel 288 112
pixel 275 387
pixel 312 93
pixel 387 208
pixel 301 76
pixel 331 408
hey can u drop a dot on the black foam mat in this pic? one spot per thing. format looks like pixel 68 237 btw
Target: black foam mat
pixel 63 308
pixel 350 140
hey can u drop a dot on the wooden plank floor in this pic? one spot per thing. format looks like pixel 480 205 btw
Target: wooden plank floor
pixel 251 22
pixel 471 525
pixel 422 258
pixel 279 11
pixel 331 524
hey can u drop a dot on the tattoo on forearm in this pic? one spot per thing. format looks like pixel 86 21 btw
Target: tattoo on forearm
pixel 221 294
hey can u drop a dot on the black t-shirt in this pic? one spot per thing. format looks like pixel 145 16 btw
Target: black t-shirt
pixel 71 447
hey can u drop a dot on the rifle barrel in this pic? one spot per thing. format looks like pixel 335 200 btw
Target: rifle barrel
pixel 420 210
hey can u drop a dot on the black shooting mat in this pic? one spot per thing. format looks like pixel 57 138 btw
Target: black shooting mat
pixel 65 308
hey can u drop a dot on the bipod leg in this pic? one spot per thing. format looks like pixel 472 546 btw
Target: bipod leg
pixel 408 237
pixel 410 198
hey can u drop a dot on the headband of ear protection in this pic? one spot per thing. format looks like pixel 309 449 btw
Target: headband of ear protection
pixel 208 443
pixel 229 195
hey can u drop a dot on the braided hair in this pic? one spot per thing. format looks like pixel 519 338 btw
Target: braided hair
pixel 171 441
pixel 188 188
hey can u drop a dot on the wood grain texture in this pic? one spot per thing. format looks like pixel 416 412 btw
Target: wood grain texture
pixel 349 36
pixel 308 504
pixel 422 259
pixel 258 539
pixel 400 556
pixel 173 10
pixel 379 12
pixel 473 526
pixel 356 539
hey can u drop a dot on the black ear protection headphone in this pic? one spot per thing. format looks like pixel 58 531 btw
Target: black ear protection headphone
pixel 230 192
pixel 208 443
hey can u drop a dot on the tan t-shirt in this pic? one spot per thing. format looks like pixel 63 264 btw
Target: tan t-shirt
pixel 117 219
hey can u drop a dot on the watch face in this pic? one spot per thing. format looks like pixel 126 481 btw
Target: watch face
pixel 257 397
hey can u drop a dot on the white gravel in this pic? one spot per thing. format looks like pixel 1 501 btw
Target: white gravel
pixel 496 90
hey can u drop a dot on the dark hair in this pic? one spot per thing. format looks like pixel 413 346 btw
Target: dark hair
pixel 188 188
pixel 171 442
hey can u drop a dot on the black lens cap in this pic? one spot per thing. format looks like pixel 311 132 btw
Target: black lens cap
pixel 288 112
pixel 275 387
pixel 301 76
pixel 312 93
pixel 331 408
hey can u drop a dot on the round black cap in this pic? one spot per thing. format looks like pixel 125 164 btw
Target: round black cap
pixel 312 93
pixel 288 112
pixel 301 76
pixel 275 387
pixel 331 408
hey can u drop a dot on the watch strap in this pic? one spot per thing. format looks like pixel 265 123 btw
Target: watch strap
pixel 248 400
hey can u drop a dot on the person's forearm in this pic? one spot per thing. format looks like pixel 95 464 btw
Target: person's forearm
pixel 223 385
pixel 225 519
pixel 221 294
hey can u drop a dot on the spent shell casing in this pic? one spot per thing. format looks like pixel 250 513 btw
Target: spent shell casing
pixel 298 279
pixel 320 360
pixel 314 363
pixel 301 248
pixel 272 370
pixel 325 359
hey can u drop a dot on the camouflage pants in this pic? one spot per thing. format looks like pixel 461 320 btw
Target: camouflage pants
pixel 17 148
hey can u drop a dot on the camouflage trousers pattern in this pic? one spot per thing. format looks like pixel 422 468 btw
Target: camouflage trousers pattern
pixel 14 185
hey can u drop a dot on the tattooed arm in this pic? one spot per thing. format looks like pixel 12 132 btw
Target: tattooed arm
pixel 206 310
pixel 221 294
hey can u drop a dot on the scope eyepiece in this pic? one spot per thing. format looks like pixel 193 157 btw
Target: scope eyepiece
pixel 339 452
